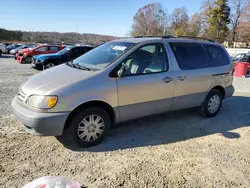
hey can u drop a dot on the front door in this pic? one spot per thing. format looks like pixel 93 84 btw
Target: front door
pixel 147 86
pixel 193 75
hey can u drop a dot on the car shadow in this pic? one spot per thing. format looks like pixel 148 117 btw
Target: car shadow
pixel 175 127
pixel 7 56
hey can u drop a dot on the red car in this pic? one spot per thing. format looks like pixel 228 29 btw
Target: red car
pixel 26 55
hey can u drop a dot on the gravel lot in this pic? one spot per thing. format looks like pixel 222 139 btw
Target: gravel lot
pixel 177 150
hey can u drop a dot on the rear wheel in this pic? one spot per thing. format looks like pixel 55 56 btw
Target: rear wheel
pixel 88 128
pixel 48 65
pixel 1 52
pixel 212 104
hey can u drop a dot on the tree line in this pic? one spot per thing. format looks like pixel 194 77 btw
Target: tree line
pixel 53 37
pixel 220 20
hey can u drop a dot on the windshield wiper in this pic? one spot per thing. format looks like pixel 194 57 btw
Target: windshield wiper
pixel 77 65
pixel 70 63
pixel 83 67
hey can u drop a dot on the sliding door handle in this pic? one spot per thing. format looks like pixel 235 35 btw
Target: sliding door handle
pixel 167 79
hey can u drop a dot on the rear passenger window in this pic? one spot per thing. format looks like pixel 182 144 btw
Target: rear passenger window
pixel 53 48
pixel 88 49
pixel 190 55
pixel 217 55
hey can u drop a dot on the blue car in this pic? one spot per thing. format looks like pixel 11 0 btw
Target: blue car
pixel 46 61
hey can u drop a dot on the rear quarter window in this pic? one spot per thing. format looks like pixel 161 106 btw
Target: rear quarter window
pixel 217 55
pixel 190 55
pixel 53 48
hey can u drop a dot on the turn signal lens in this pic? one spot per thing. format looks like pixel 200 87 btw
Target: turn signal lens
pixel 51 101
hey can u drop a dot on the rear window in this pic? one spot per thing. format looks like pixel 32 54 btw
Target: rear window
pixel 217 55
pixel 190 55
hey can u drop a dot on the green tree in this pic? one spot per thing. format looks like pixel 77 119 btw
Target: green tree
pixel 219 19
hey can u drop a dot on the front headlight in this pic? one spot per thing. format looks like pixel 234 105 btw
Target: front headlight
pixel 42 102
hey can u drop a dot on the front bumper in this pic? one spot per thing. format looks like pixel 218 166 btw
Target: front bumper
pixel 37 123
pixel 229 91
pixel 38 66
pixel 19 59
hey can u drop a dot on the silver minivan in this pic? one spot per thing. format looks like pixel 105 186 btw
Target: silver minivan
pixel 123 80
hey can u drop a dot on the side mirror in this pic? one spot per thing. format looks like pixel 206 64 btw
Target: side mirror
pixel 121 71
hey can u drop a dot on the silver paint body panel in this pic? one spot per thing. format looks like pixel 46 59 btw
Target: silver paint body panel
pixel 130 97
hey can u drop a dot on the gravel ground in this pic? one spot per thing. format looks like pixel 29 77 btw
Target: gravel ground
pixel 177 150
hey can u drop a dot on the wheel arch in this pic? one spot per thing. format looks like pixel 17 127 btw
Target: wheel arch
pixel 219 88
pixel 95 103
pixel 54 61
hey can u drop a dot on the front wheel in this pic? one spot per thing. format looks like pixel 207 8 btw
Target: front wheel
pixel 48 65
pixel 28 60
pixel 88 128
pixel 212 104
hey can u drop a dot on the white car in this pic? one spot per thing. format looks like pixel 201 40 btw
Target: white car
pixel 2 49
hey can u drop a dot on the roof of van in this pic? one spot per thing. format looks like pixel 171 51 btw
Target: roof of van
pixel 170 39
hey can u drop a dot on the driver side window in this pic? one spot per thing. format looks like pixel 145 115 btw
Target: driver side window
pixel 146 60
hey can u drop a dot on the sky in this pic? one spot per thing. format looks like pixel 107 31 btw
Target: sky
pixel 108 17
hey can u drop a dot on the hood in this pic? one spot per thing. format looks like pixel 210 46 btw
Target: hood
pixel 47 56
pixel 23 50
pixel 54 78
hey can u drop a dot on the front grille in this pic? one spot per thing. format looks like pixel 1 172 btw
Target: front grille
pixel 21 96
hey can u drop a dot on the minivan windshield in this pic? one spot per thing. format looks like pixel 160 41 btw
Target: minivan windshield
pixel 103 55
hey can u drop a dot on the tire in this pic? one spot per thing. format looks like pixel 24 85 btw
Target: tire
pixel 48 65
pixel 28 60
pixel 1 53
pixel 210 107
pixel 73 134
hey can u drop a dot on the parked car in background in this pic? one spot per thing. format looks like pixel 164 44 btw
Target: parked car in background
pixel 26 55
pixel 11 47
pixel 2 49
pixel 14 51
pixel 122 80
pixel 238 56
pixel 22 48
pixel 69 53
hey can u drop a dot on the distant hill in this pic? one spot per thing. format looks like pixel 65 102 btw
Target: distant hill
pixel 53 37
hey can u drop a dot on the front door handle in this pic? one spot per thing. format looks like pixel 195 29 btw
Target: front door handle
pixel 181 78
pixel 167 79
